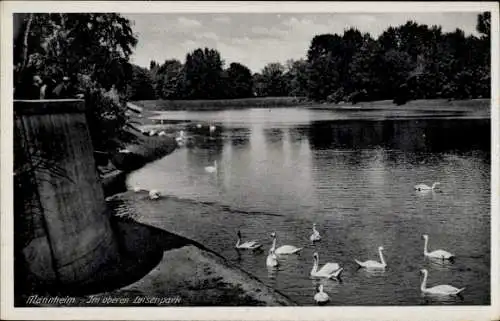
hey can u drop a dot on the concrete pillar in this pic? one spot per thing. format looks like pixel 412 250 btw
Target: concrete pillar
pixel 62 228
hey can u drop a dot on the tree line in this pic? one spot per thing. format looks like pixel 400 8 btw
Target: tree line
pixel 93 50
pixel 411 61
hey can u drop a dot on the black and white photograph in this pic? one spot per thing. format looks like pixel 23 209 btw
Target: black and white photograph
pixel 250 158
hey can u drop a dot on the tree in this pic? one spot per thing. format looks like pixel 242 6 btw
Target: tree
pixel 141 85
pixel 202 74
pixel 484 24
pixel 296 77
pixel 324 66
pixel 239 81
pixel 273 83
pixel 92 48
pixel 167 79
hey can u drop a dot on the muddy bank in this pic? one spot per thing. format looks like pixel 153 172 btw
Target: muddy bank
pixel 159 268
pixel 144 150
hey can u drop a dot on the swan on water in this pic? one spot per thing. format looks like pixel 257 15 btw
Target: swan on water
pixel 321 297
pixel 315 235
pixel 438 289
pixel 284 249
pixel 198 125
pixel 329 270
pixel 437 254
pixel 370 264
pixel 249 245
pixel 212 128
pixel 154 194
pixel 162 133
pixel 211 169
pixel 272 259
pixel 124 151
pixel 423 187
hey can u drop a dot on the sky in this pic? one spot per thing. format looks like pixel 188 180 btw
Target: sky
pixel 256 39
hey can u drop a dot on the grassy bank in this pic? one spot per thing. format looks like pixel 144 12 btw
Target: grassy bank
pixel 260 102
pixel 270 102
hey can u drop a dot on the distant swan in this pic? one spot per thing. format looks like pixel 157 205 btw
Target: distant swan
pixel 329 270
pixel 437 254
pixel 212 128
pixel 249 245
pixel 423 187
pixel 284 249
pixel 438 289
pixel 211 169
pixel 162 133
pixel 370 264
pixel 154 194
pixel 272 259
pixel 321 297
pixel 198 125
pixel 315 235
pixel 137 189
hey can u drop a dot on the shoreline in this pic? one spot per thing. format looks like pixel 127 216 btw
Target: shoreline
pixel 292 102
pixel 217 281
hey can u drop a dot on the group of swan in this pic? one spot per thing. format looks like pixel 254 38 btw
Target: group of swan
pixel 334 270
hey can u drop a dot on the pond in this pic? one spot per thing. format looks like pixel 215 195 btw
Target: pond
pixel 353 174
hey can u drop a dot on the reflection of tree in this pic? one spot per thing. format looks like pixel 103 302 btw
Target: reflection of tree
pixel 273 135
pixel 239 136
pixel 423 135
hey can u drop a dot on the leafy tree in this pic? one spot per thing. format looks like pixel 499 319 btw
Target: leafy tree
pixel 202 74
pixel 296 77
pixel 92 48
pixel 141 85
pixel 167 79
pixel 239 81
pixel 273 81
pixel 324 66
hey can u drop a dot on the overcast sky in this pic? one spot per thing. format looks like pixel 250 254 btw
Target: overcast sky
pixel 259 38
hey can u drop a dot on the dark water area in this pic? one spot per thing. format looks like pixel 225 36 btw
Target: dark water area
pixel 283 170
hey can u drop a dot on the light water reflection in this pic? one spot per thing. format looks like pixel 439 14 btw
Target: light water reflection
pixel 283 170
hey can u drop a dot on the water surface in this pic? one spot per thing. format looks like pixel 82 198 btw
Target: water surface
pixel 280 170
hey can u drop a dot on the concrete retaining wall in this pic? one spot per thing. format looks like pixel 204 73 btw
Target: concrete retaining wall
pixel 62 229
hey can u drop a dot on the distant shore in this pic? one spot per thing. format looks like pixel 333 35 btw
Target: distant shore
pixel 482 104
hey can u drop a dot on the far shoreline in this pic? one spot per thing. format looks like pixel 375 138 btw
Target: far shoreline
pixel 482 104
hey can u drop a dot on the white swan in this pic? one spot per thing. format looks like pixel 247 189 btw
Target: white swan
pixel 370 264
pixel 423 187
pixel 162 133
pixel 198 125
pixel 137 189
pixel 321 297
pixel 284 249
pixel 272 259
pixel 315 235
pixel 212 128
pixel 124 151
pixel 437 254
pixel 154 194
pixel 211 169
pixel 249 245
pixel 329 270
pixel 438 289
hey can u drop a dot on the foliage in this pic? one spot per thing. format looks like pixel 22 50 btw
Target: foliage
pixel 410 61
pixel 92 49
